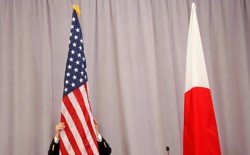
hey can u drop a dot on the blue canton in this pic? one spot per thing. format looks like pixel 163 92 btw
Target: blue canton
pixel 75 72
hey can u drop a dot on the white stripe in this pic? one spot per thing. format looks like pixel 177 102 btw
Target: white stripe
pixel 66 142
pixel 86 101
pixel 73 129
pixel 196 72
pixel 83 121
pixel 87 104
pixel 85 98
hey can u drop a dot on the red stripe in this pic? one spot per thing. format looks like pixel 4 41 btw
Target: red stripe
pixel 77 122
pixel 70 137
pixel 62 148
pixel 90 128
pixel 87 92
pixel 82 103
pixel 200 129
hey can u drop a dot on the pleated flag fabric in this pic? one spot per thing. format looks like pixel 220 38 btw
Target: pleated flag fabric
pixel 200 135
pixel 79 135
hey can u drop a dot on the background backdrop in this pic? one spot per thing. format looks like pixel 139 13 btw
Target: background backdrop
pixel 136 53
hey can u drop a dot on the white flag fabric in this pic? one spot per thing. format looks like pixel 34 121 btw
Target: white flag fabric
pixel 200 136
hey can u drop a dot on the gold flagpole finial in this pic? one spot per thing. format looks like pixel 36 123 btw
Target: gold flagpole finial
pixel 76 7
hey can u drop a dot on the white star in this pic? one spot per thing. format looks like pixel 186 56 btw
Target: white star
pixel 85 77
pixel 71 59
pixel 68 74
pixel 83 58
pixel 74 77
pixel 77 30
pixel 77 62
pixel 69 66
pixel 79 54
pixel 80 47
pixel 65 89
pixel 66 82
pixel 81 72
pixel 81 80
pixel 72 26
pixel 73 18
pixel 76 37
pixel 81 40
pixel 72 52
pixel 70 34
pixel 73 84
pixel 69 41
pixel 74 44
pixel 76 70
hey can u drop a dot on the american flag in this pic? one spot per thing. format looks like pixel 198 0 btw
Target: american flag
pixel 79 135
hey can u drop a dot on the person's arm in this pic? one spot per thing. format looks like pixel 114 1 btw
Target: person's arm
pixel 104 147
pixel 54 146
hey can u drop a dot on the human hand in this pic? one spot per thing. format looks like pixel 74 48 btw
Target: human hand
pixel 96 125
pixel 60 126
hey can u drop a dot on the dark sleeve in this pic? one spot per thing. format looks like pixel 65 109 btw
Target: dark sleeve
pixel 54 148
pixel 104 147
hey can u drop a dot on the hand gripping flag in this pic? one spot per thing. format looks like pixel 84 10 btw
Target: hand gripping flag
pixel 200 129
pixel 79 135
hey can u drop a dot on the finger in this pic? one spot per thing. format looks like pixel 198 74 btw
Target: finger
pixel 95 121
pixel 62 126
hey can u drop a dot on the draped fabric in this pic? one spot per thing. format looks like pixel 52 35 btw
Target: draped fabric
pixel 136 53
pixel 200 133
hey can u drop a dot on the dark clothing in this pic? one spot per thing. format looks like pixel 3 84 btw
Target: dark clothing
pixel 104 148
